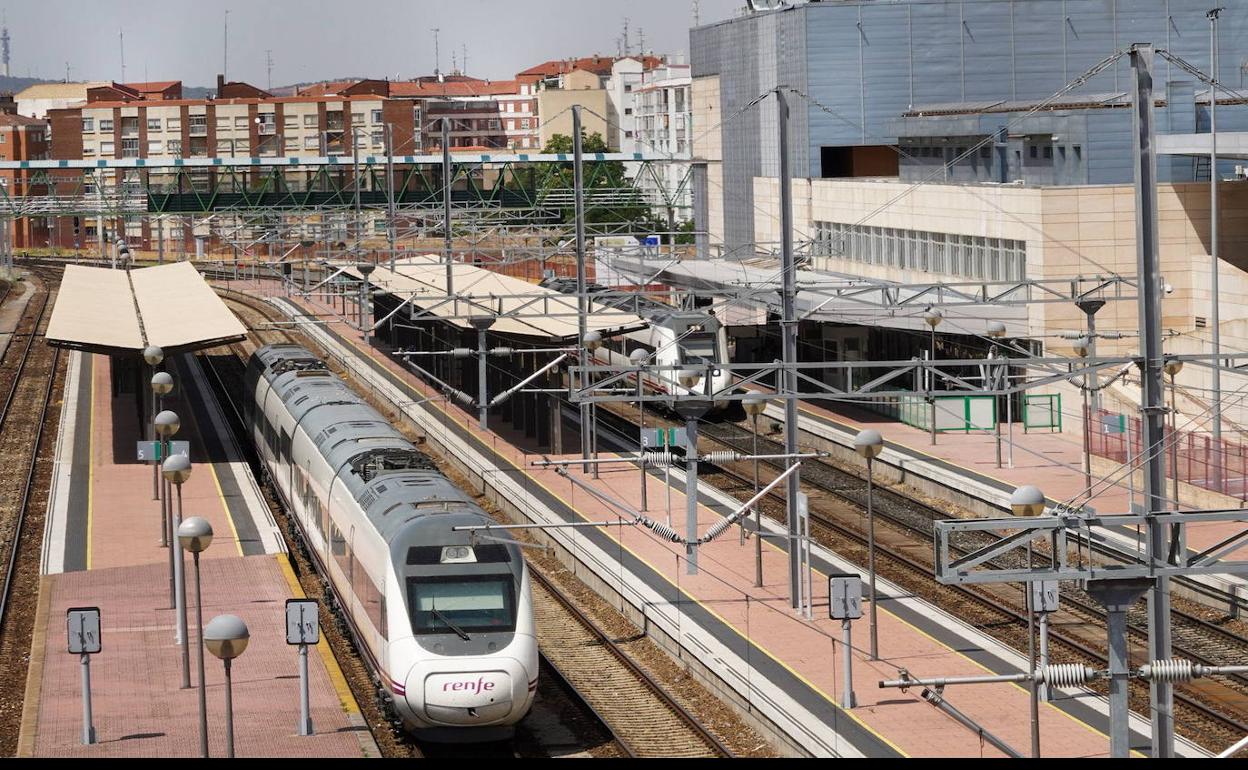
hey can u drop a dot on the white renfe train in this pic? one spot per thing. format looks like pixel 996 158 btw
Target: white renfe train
pixel 446 624
pixel 689 339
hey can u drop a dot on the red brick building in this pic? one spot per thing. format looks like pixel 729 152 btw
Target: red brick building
pixel 24 139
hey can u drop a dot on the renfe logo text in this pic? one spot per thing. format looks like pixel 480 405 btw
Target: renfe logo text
pixel 476 688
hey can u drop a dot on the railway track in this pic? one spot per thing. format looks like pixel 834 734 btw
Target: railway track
pixel 31 377
pixel 631 708
pixel 1209 712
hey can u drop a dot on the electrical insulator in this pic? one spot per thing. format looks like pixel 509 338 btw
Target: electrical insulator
pixel 719 458
pixel 1172 671
pixel 1068 675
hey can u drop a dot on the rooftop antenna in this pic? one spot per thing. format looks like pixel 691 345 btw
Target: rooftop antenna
pixel 463 60
pixel 66 72
pixel 627 50
pixel 268 64
pixel 121 36
pixel 641 42
pixel 697 13
pixel 437 53
pixel 4 44
pixel 454 63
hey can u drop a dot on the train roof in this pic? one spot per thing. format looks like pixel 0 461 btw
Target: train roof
pixel 394 482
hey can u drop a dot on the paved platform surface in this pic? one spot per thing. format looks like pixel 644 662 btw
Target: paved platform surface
pixel 102 548
pixel 785 666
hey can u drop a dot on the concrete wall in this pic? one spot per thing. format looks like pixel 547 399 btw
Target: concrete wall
pixel 555 107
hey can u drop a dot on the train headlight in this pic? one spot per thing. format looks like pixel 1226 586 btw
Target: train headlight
pixel 458 554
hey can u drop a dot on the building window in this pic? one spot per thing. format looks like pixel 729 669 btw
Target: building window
pixel 154 147
pixel 153 124
pixel 240 122
pixel 357 118
pixel 628 111
pixel 106 148
pixel 106 126
pixel 88 125
pixel 1048 153
pixel 173 124
pixel 311 121
pixel 311 143
pixel 290 121
pixel 524 124
pixel 378 138
pixel 88 152
pixel 198 125
pixel 129 148
pixel 991 259
pixel 1033 152
pixel 376 116
pixel 175 147
pixel 292 144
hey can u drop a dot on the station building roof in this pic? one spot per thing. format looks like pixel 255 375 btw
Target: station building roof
pixel 121 312
pixel 518 307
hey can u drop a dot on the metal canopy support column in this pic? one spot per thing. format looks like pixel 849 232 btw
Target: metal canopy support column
pixel 582 299
pixel 1162 693
pixel 1117 596
pixel 1215 316
pixel 789 339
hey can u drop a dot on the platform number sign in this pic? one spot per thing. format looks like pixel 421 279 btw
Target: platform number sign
pixel 83 625
pixel 302 622
pixel 666 438
pixel 844 597
pixel 1045 596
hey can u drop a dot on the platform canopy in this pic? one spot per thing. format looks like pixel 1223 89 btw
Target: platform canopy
pixel 518 307
pixel 121 312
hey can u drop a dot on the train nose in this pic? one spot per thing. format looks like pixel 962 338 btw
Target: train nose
pixel 478 698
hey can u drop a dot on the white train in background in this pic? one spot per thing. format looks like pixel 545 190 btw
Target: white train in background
pixel 689 339
pixel 446 624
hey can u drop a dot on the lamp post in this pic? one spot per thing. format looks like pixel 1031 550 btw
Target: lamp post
pixel 933 318
pixel 592 342
pixel 754 407
pixel 869 444
pixel 1082 347
pixel 167 425
pixel 638 358
pixel 226 637
pixel 1172 368
pixel 691 410
pixel 1029 501
pixel 177 471
pixel 996 330
pixel 154 357
pixel 195 535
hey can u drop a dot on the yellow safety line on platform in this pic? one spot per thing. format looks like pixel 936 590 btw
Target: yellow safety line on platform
pixel 225 506
pixel 336 678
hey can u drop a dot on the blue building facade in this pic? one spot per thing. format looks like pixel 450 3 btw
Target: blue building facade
pixel 947 90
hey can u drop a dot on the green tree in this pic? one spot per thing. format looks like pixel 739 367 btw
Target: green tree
pixel 600 176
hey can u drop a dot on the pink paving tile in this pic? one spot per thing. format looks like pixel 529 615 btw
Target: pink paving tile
pixel 140 709
pixel 124 519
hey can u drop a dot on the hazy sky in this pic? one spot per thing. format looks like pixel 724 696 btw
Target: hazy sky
pixel 315 39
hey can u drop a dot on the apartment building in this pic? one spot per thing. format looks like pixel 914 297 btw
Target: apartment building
pixel 662 112
pixel 23 138
pixel 121 122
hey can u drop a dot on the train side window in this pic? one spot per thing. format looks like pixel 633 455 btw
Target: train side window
pixel 285 448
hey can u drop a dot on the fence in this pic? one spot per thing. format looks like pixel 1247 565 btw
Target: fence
pixel 954 414
pixel 1219 466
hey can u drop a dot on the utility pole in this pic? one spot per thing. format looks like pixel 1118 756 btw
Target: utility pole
pixel 1153 401
pixel 390 202
pixel 1214 298
pixel 788 326
pixel 446 206
pixel 225 45
pixel 582 298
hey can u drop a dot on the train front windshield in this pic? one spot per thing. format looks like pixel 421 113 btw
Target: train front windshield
pixel 462 604
pixel 699 349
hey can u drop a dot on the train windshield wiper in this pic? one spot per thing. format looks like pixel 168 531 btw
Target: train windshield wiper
pixel 461 633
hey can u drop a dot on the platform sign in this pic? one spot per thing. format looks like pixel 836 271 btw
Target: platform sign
pixel 302 622
pixel 83 625
pixel 845 597
pixel 1113 424
pixel 666 438
pixel 1045 596
pixel 150 451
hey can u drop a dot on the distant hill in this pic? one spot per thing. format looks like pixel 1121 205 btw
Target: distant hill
pixel 13 85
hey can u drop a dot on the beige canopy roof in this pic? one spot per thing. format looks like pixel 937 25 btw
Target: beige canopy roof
pixel 519 307
pixel 119 311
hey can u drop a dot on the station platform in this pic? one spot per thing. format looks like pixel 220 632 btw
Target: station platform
pixel 746 641
pixel 102 548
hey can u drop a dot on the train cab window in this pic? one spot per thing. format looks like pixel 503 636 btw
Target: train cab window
pixel 699 348
pixel 462 604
